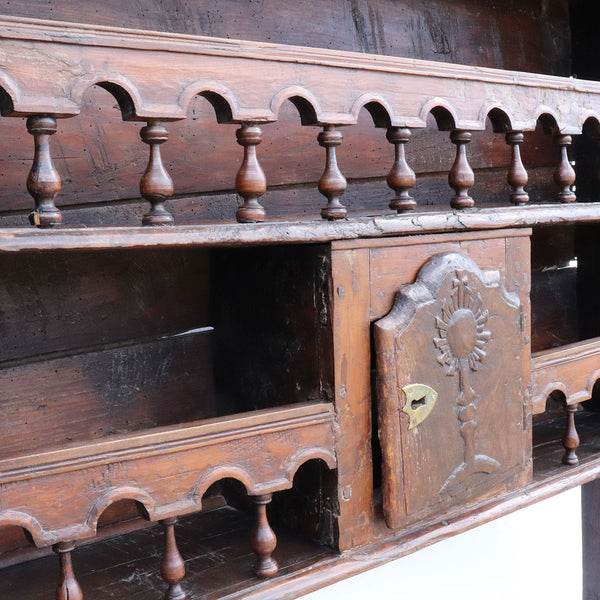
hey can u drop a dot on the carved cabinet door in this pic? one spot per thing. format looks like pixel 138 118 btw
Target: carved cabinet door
pixel 451 393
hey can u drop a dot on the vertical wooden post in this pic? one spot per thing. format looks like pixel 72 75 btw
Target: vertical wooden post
pixel 250 181
pixel 570 439
pixel 43 182
pixel 332 183
pixel 263 539
pixel 351 315
pixel 401 177
pixel 564 176
pixel 517 175
pixel 156 186
pixel 461 176
pixel 68 587
pixel 590 503
pixel 172 568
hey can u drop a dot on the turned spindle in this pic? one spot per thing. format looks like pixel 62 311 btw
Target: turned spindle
pixel 461 177
pixel 570 439
pixel 250 181
pixel 172 568
pixel 263 539
pixel 332 183
pixel 401 177
pixel 43 182
pixel 156 186
pixel 517 175
pixel 564 176
pixel 68 587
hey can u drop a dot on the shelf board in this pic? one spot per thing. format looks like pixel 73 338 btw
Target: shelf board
pixel 219 560
pixel 285 232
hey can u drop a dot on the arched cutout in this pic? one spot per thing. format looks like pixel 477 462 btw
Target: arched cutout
pixel 501 122
pixel 305 456
pixel 221 99
pixel 443 118
pixel 442 112
pixel 555 399
pixel 306 104
pixel 142 498
pixel 379 114
pixel 549 123
pixel 9 94
pixel 219 473
pixel 122 90
pixel 308 115
pixel 123 98
pixel 591 127
pixel 377 107
pixel 307 470
pixel 31 527
pixel 7 105
pixel 119 510
pixel 220 105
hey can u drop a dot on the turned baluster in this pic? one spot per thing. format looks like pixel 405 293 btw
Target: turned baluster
pixel 43 182
pixel 156 186
pixel 517 175
pixel 68 587
pixel 564 176
pixel 332 183
pixel 263 539
pixel 250 181
pixel 172 568
pixel 570 439
pixel 461 176
pixel 401 177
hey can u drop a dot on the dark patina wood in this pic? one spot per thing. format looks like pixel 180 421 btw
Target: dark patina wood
pixel 469 322
pixel 152 372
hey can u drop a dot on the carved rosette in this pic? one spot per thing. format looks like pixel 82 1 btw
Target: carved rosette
pixel 462 333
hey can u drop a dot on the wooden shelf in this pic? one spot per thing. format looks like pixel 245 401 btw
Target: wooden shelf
pixel 219 560
pixel 141 466
pixel 284 232
pixel 214 545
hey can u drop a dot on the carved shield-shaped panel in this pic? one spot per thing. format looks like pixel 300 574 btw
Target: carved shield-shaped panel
pixel 451 391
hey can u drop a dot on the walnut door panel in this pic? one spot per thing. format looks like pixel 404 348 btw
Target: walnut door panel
pixel 458 332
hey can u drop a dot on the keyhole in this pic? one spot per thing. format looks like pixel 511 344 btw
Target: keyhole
pixel 418 403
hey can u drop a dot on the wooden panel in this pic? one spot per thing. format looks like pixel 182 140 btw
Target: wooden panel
pixel 167 470
pixel 270 309
pixel 352 357
pixel 457 331
pixel 554 308
pixel 393 266
pixel 450 31
pixel 57 302
pixel 99 394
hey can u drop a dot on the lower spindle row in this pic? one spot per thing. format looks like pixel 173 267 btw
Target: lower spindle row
pixel 156 186
pixel 172 569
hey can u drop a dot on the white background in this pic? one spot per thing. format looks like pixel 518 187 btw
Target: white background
pixel 532 554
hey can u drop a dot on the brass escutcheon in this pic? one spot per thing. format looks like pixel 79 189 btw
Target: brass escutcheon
pixel 420 400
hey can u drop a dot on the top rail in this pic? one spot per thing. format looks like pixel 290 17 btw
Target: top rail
pixel 160 73
pixel 46 68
